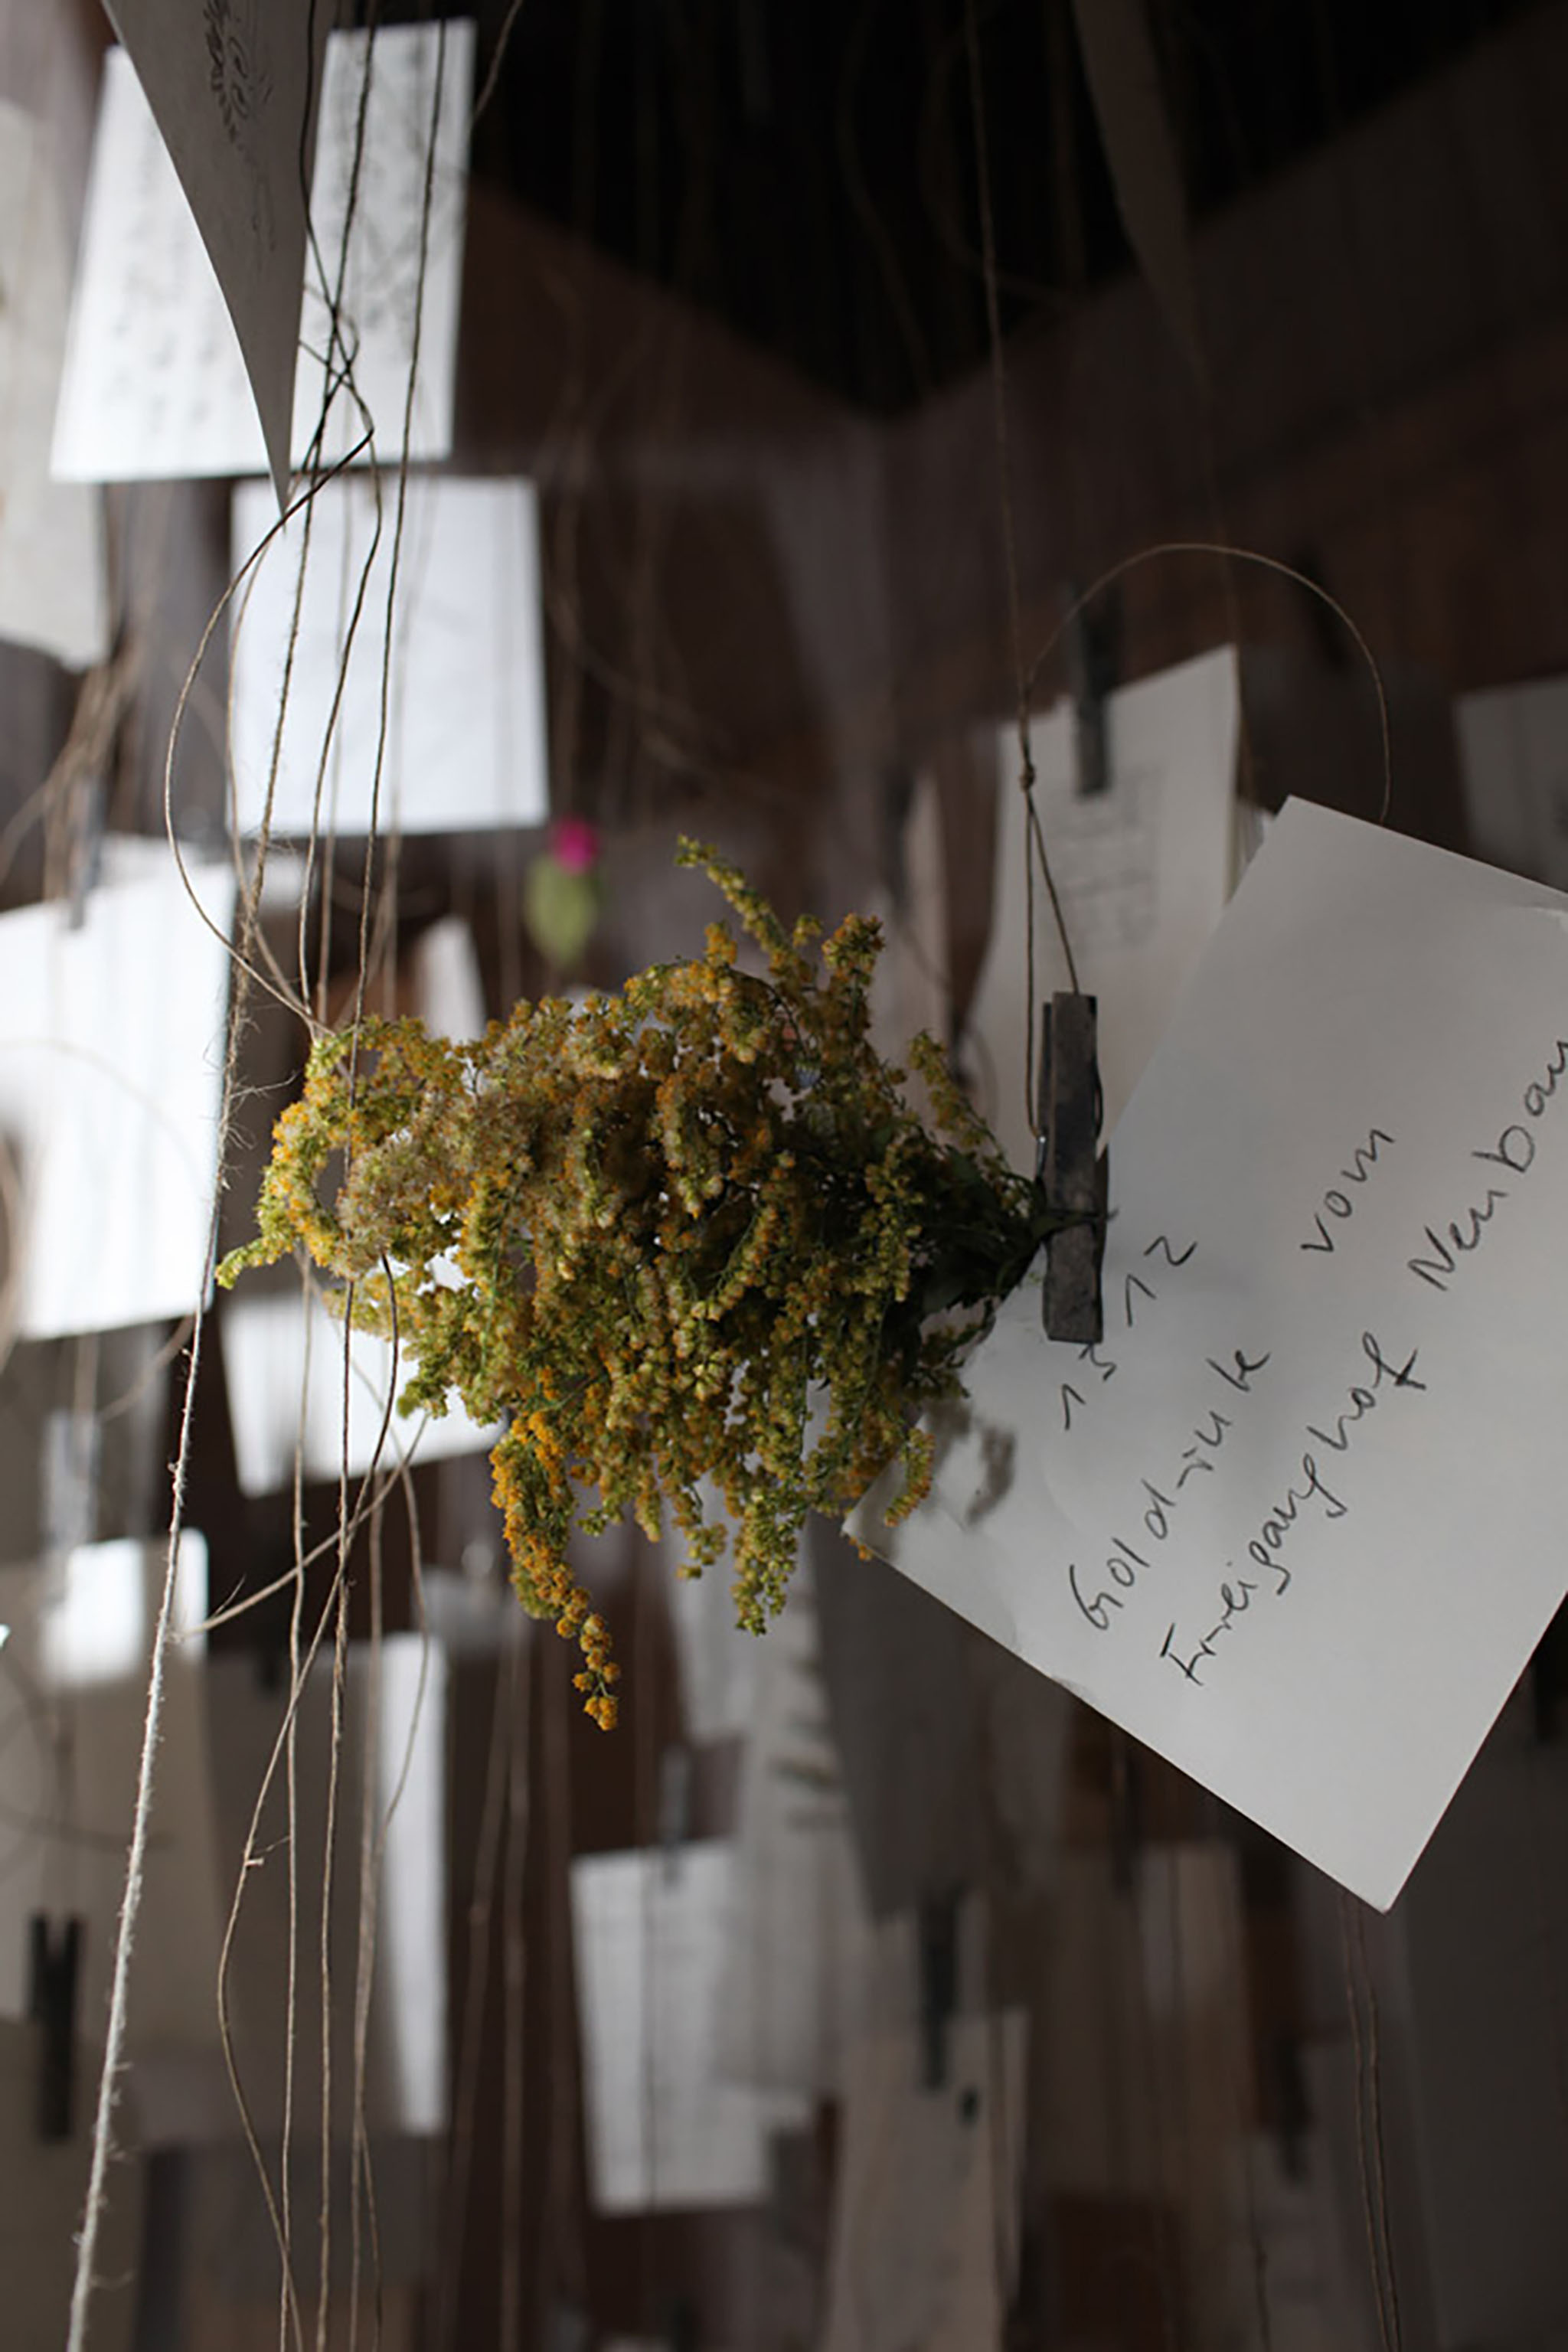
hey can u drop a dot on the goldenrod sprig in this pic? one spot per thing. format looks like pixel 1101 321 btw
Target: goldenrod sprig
pixel 650 1234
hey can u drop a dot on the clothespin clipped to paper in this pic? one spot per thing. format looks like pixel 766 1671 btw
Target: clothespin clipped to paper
pixel 53 1970
pixel 1071 1167
pixel 1092 642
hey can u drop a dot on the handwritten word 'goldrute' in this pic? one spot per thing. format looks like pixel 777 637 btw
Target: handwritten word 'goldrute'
pixel 1364 1159
pixel 1307 1485
pixel 1514 1151
pixel 1123 1563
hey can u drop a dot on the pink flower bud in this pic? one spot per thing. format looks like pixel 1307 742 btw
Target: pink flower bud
pixel 574 844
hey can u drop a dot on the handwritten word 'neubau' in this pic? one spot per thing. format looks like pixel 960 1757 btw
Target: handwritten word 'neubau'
pixel 1513 1151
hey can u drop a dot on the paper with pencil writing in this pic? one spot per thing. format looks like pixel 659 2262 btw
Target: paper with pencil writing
pixel 176 368
pixel 1295 1524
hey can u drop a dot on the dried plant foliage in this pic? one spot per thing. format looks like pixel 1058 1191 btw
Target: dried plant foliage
pixel 686 1239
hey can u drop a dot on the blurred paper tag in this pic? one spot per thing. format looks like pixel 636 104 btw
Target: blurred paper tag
pixel 664 2131
pixel 1513 759
pixel 925 2217
pixel 201 306
pixel 1292 1523
pixel 461 742
pixel 232 87
pixel 1143 870
pixel 72 1699
pixel 54 590
pixel 283 1362
pixel 110 1073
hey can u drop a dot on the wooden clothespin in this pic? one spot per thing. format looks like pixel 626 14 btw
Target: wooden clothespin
pixel 53 1970
pixel 1071 1167
pixel 1093 646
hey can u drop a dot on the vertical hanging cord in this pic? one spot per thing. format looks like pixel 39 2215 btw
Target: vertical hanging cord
pixel 288 2298
pixel 1386 2318
pixel 518 1666
pixel 367 895
pixel 136 1858
pixel 1034 839
pixel 478 1930
pixel 361 2192
pixel 1380 2174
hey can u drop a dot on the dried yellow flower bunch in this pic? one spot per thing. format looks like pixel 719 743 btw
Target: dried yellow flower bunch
pixel 650 1234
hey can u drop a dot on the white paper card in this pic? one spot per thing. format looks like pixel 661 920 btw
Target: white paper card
pixel 911 989
pixel 232 85
pixel 448 985
pixel 1513 758
pixel 73 1694
pixel 53 588
pixel 1142 869
pixel 283 1363
pixel 465 742
pixel 788 1994
pixel 155 384
pixel 925 2218
pixel 1293 1523
pixel 664 2131
pixel 718 1662
pixel 110 1074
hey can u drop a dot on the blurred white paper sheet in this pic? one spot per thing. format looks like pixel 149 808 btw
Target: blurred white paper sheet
pixel 663 2130
pixel 912 989
pixel 465 740
pixel 110 1073
pixel 788 1995
pixel 925 2220
pixel 1513 758
pixel 276 1351
pixel 1295 1522
pixel 53 589
pixel 1142 869
pixel 73 1694
pixel 232 85
pixel 421 77
pixel 448 985
pixel 155 384
pixel 390 1767
pixel 718 1662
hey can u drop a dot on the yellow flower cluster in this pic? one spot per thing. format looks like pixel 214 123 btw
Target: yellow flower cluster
pixel 698 1236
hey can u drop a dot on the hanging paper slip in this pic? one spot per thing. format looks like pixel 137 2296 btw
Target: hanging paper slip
pixel 1295 1523
pixel 664 2131
pixel 283 1362
pixel 110 1073
pixel 157 381
pixel 1513 758
pixel 1143 869
pixel 73 1694
pixel 232 88
pixel 432 722
pixel 54 590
